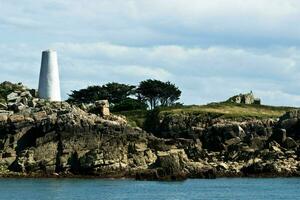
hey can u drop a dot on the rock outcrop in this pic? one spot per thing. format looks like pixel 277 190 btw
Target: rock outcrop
pixel 43 138
pixel 238 147
pixel 244 99
pixel 98 107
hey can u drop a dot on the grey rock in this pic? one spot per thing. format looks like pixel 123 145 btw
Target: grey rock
pixel 103 106
pixel 33 102
pixel 26 94
pixel 277 150
pixel 232 141
pixel 100 107
pixel 290 143
pixel 12 97
pixel 3 106
pixel 18 107
pixel 279 136
pixel 258 143
pixel 60 138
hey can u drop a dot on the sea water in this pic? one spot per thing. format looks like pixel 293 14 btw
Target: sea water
pixel 233 188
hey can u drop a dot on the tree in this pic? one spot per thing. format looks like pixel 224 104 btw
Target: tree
pixel 170 93
pixel 118 92
pixel 149 91
pixel 88 95
pixel 113 92
pixel 129 104
pixel 120 96
pixel 157 93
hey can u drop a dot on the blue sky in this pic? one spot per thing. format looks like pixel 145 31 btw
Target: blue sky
pixel 210 49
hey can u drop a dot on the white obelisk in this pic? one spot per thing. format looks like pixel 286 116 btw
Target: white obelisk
pixel 49 86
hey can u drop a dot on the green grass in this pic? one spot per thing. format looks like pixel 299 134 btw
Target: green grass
pixel 134 117
pixel 232 110
pixel 223 110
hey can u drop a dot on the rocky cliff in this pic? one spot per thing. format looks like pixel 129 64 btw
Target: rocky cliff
pixel 40 138
pixel 237 146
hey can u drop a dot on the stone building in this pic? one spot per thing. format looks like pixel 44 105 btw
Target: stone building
pixel 247 98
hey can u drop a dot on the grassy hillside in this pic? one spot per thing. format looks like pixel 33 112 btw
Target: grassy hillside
pixel 135 117
pixel 232 110
pixel 223 110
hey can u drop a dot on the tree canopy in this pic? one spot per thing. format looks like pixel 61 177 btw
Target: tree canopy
pixel 117 92
pixel 87 95
pixel 158 93
pixel 121 97
pixel 113 92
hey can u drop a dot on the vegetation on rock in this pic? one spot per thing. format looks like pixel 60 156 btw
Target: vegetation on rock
pixel 42 138
pixel 223 110
pixel 122 96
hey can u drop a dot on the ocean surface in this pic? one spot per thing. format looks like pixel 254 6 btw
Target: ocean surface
pixel 236 188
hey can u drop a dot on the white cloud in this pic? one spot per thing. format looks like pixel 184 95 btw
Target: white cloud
pixel 144 22
pixel 142 72
pixel 203 74
pixel 210 49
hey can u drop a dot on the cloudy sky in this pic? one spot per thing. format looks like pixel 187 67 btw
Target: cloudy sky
pixel 210 49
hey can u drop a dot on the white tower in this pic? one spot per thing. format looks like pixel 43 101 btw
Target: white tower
pixel 49 86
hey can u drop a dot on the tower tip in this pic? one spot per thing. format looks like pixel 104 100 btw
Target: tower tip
pixel 49 50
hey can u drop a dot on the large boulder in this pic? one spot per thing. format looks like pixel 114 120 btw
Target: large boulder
pixel 100 107
pixel 220 135
pixel 170 164
pixel 260 169
pixel 103 106
pixel 290 143
pixel 291 123
pixel 258 143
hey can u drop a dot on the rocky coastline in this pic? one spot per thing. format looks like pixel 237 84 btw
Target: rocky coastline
pixel 56 139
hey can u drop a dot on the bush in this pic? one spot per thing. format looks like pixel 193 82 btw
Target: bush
pixel 129 104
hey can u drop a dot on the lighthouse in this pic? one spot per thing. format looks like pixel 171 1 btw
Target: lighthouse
pixel 49 85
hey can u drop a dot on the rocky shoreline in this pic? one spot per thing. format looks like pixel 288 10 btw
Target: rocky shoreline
pixel 55 139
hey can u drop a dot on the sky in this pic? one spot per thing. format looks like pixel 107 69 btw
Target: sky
pixel 210 49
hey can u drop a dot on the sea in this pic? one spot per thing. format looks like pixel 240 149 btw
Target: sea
pixel 223 188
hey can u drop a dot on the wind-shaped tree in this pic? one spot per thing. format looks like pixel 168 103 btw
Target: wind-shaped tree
pixel 158 93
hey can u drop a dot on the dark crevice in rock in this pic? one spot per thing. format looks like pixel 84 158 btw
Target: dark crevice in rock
pixel 74 162
pixel 29 139
pixel 58 165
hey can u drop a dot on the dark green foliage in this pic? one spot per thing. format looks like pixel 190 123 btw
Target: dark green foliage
pixel 150 92
pixel 158 93
pixel 88 95
pixel 129 104
pixel 135 117
pixel 152 120
pixel 113 92
pixel 118 92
